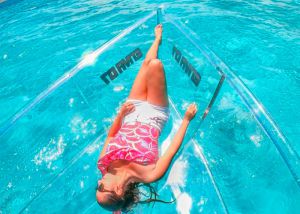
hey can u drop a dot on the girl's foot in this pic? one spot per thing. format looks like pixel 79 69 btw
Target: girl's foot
pixel 158 32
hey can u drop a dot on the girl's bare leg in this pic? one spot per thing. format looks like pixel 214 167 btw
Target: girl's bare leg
pixel 139 88
pixel 156 84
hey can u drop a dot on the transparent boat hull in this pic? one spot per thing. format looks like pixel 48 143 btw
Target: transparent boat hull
pixel 228 162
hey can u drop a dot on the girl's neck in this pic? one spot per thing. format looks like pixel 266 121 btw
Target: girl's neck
pixel 120 168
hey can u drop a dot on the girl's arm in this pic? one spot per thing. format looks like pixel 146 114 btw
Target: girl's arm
pixel 116 125
pixel 164 161
pixel 125 109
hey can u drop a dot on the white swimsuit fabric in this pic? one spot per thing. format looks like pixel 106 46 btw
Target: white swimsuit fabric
pixel 147 113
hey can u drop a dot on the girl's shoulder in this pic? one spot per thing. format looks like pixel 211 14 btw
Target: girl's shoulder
pixel 141 172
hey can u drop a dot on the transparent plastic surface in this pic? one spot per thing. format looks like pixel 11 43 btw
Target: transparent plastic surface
pixel 51 146
pixel 250 172
pixel 263 118
pixel 49 149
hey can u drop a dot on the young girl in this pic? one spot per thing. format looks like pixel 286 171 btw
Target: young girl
pixel 130 152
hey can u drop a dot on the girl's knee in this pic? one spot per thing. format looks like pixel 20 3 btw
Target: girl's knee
pixel 155 63
pixel 152 63
pixel 155 69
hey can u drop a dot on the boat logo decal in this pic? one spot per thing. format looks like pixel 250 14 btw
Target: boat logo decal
pixel 186 66
pixel 121 66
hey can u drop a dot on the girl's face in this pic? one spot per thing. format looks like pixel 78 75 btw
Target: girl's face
pixel 109 185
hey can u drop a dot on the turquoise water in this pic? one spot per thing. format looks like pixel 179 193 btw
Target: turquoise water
pixel 51 152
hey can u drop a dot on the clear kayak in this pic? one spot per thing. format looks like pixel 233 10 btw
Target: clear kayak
pixel 235 159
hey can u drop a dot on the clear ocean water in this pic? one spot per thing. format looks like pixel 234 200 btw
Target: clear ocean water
pixel 48 157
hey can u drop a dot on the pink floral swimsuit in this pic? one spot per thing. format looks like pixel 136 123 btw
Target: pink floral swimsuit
pixel 137 139
pixel 134 142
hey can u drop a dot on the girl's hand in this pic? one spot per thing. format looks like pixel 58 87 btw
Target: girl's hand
pixel 126 108
pixel 190 112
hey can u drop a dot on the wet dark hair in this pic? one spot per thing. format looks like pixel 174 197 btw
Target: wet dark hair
pixel 131 198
